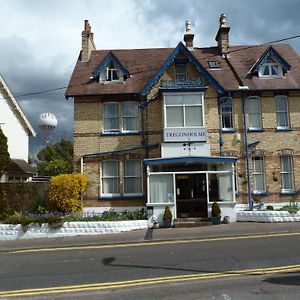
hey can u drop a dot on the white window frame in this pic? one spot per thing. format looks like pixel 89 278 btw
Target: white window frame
pixel 110 195
pixel 201 96
pixel 288 172
pixel 135 116
pixel 224 103
pixel 269 66
pixel 254 113
pixel 140 177
pixel 258 174
pixel 120 117
pixel 286 111
pixel 113 130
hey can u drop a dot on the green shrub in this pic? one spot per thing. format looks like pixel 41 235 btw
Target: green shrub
pixel 67 191
pixel 292 208
pixel 269 207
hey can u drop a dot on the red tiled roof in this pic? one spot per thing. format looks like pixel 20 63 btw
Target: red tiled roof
pixel 143 64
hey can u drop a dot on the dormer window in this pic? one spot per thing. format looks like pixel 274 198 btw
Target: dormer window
pixel 270 69
pixel 111 74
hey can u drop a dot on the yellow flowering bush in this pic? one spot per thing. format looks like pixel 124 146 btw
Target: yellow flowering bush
pixel 67 191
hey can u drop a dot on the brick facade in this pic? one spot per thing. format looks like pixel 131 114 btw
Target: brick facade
pixel 92 145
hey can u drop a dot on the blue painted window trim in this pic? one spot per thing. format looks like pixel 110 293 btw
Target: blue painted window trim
pixel 260 194
pixel 284 129
pixel 141 197
pixel 255 129
pixel 228 130
pixel 110 57
pixel 119 133
pixel 287 193
pixel 206 159
pixel 271 52
pixel 192 60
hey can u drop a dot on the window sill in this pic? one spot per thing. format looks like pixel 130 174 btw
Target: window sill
pixel 228 130
pixel 120 133
pixel 255 130
pixel 287 193
pixel 284 129
pixel 259 194
pixel 106 198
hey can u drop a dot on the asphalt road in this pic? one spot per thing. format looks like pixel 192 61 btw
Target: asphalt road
pixel 221 268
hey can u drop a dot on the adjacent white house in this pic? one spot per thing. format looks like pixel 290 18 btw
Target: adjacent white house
pixel 17 129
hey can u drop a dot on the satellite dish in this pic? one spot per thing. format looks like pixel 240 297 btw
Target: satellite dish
pixel 47 121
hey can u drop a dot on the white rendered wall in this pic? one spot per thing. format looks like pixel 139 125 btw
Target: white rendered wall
pixel 17 139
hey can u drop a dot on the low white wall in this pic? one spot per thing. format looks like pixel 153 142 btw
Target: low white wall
pixel 267 216
pixel 13 232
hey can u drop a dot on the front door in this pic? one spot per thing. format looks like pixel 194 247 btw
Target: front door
pixel 191 195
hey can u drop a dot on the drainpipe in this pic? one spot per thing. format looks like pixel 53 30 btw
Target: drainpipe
pixel 221 141
pixel 243 88
pixel 81 164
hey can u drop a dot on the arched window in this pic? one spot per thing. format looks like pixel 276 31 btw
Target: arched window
pixel 226 112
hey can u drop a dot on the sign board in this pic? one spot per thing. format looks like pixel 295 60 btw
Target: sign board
pixel 185 134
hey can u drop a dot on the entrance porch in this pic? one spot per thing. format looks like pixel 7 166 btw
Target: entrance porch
pixel 189 185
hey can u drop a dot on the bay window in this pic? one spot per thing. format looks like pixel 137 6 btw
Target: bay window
pixel 184 110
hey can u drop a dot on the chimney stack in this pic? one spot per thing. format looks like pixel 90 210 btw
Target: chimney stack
pixel 188 36
pixel 87 45
pixel 222 36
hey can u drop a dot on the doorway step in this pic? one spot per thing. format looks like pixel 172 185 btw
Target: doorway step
pixel 191 222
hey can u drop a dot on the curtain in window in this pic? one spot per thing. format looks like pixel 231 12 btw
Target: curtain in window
pixel 130 116
pixel 286 171
pixel 110 177
pixel 225 184
pixel 282 111
pixel 111 116
pixel 132 177
pixel 254 114
pixel 161 188
pixel 258 173
pixel 225 187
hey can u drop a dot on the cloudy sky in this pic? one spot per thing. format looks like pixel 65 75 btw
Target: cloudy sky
pixel 40 39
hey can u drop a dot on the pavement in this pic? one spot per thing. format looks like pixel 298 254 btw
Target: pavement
pixel 161 234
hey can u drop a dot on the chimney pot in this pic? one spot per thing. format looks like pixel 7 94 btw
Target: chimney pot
pixel 188 36
pixel 87 45
pixel 222 36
